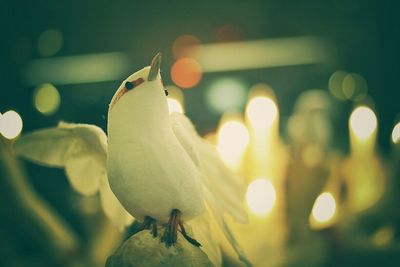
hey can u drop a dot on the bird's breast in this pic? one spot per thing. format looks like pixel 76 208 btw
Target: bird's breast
pixel 152 176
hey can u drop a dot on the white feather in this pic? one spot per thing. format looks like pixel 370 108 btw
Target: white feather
pixel 223 191
pixel 82 150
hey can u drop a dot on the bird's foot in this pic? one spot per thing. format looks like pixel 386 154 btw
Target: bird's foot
pixel 171 230
pixel 148 224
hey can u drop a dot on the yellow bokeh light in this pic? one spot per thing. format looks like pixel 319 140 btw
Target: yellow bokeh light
pixel 261 111
pixel 261 196
pixel 232 141
pixel 363 122
pixel 396 133
pixel 324 208
pixel 10 124
pixel 174 105
pixel 46 99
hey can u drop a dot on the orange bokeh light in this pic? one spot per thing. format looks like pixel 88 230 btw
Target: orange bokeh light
pixel 185 46
pixel 186 72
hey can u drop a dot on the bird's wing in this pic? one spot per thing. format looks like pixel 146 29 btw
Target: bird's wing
pixel 82 150
pixel 223 190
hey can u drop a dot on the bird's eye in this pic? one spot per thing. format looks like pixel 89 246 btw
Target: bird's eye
pixel 131 85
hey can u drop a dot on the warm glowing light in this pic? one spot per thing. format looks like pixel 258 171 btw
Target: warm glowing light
pixel 261 111
pixel 50 42
pixel 10 124
pixel 186 72
pixel 174 105
pixel 396 133
pixel 185 46
pixel 226 94
pixel 363 122
pixel 46 99
pixel 232 141
pixel 261 196
pixel 324 208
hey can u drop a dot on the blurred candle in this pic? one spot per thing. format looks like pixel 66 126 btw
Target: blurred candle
pixel 363 130
pixel 232 140
pixel 364 171
pixel 261 196
pixel 262 117
pixel 396 133
pixel 10 124
pixel 323 211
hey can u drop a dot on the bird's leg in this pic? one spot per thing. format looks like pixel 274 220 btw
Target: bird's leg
pixel 148 224
pixel 171 230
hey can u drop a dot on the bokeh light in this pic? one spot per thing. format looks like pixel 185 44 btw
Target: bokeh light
pixel 10 124
pixel 261 111
pixel 186 46
pixel 363 122
pixel 396 133
pixel 46 99
pixel 261 196
pixel 324 208
pixel 186 72
pixel 232 140
pixel 50 42
pixel 226 94
pixel 383 236
pixel 346 86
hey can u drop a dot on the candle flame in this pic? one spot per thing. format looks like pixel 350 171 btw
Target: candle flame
pixel 396 133
pixel 10 124
pixel 363 122
pixel 261 111
pixel 324 208
pixel 232 141
pixel 261 196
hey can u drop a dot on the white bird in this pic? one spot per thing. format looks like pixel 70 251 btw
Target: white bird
pixel 158 167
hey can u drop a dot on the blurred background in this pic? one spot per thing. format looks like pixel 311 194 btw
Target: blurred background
pixel 300 98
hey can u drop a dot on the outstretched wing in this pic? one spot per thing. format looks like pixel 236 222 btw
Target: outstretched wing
pixel 223 190
pixel 82 150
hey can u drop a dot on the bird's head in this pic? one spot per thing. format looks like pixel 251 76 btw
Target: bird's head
pixel 139 87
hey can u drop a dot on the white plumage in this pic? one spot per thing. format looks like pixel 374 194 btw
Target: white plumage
pixel 154 162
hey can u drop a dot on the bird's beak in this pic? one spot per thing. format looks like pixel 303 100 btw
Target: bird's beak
pixel 154 67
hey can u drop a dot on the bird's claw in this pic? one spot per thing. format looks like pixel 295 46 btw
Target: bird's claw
pixel 171 230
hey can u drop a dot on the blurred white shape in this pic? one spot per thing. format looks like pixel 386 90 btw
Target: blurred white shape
pixel 324 208
pixel 363 122
pixel 46 99
pixel 77 69
pixel 396 133
pixel 261 111
pixel 10 124
pixel 174 105
pixel 232 141
pixel 261 196
pixel 262 54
